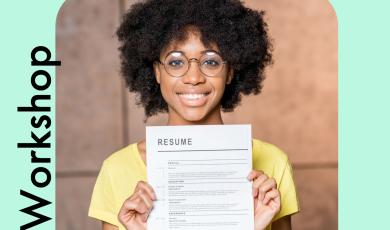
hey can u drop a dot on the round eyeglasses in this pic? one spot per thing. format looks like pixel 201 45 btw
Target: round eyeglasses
pixel 177 64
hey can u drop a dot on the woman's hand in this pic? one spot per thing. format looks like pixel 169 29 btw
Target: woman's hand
pixel 135 210
pixel 266 198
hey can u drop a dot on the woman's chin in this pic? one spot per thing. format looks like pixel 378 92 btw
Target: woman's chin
pixel 194 116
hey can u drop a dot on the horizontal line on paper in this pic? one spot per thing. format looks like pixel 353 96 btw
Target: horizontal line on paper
pixel 200 150
pixel 233 214
pixel 210 210
pixel 213 164
pixel 232 178
pixel 211 160
pixel 227 182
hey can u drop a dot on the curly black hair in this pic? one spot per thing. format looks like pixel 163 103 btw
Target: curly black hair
pixel 239 32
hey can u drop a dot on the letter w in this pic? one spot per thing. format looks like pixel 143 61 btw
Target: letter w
pixel 30 210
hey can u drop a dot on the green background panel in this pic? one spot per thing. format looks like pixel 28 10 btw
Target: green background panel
pixel 364 113
pixel 24 25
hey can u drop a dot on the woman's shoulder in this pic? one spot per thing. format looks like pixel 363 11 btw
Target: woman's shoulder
pixel 267 156
pixel 120 173
pixel 122 157
pixel 268 150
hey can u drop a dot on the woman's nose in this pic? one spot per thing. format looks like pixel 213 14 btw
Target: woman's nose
pixel 193 76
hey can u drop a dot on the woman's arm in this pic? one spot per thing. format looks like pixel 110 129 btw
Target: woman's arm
pixel 107 226
pixel 283 223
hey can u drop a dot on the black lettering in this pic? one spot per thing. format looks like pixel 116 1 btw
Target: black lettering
pixel 35 62
pixel 160 142
pixel 34 175
pixel 36 124
pixel 30 210
pixel 35 159
pixel 34 107
pixel 34 81
pixel 39 142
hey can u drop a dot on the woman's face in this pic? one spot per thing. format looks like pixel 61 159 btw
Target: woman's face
pixel 193 98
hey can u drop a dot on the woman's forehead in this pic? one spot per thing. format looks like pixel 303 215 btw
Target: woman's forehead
pixel 191 44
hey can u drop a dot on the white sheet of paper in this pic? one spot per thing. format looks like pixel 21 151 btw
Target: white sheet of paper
pixel 199 176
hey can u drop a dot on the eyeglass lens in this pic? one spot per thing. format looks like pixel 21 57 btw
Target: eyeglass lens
pixel 177 64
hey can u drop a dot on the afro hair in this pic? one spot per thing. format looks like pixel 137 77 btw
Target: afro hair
pixel 239 32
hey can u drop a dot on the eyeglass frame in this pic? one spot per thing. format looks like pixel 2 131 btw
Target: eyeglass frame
pixel 191 60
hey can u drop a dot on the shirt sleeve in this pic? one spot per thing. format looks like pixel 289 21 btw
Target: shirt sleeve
pixel 102 206
pixel 289 199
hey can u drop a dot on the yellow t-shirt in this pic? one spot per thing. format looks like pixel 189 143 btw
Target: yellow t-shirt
pixel 122 170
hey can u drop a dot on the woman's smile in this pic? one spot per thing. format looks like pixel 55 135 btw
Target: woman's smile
pixel 193 98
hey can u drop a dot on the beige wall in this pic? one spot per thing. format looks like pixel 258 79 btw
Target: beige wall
pixel 297 110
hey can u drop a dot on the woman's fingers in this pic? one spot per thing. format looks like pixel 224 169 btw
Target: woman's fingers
pixel 141 185
pixel 132 208
pixel 147 195
pixel 275 205
pixel 127 211
pixel 139 204
pixel 254 174
pixel 133 205
pixel 149 205
pixel 266 198
pixel 264 189
pixel 266 186
pixel 272 195
pixel 257 183
pixel 257 177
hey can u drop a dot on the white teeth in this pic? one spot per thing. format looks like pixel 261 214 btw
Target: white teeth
pixel 192 96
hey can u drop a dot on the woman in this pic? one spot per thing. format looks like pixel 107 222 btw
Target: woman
pixel 192 59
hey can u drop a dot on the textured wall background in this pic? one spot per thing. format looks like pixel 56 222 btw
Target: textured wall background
pixel 296 111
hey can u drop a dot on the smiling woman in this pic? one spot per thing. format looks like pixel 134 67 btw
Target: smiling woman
pixel 97 116
pixel 193 60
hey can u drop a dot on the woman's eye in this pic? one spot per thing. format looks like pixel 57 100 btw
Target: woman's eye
pixel 210 63
pixel 176 63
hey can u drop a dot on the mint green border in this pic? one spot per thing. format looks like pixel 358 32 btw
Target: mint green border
pixel 364 113
pixel 24 25
pixel 364 109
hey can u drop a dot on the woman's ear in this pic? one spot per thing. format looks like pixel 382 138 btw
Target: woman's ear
pixel 157 72
pixel 229 76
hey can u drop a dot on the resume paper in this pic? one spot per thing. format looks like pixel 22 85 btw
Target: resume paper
pixel 199 174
